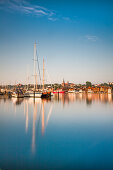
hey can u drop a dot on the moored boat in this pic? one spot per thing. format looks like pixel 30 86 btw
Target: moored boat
pixel 31 93
pixel 18 94
pixel 58 91
pixel 1 93
pixel 71 91
pixel 46 95
pixel 35 93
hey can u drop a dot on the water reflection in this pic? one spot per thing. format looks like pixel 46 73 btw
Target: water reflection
pixel 38 116
pixel 65 99
pixel 43 127
pixel 49 130
pixel 49 114
pixel 68 98
pixel 89 99
pixel 34 122
pixel 17 101
pixel 26 115
pixel 38 105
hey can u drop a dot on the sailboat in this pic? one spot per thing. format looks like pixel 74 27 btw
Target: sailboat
pixel 18 93
pixel 34 93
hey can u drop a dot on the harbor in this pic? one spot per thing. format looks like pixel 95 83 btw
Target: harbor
pixel 56 85
pixel 21 91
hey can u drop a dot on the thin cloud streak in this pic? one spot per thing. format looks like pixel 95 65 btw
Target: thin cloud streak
pixel 52 19
pixel 91 37
pixel 26 8
pixel 66 18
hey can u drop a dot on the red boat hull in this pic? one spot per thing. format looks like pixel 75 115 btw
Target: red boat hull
pixel 58 92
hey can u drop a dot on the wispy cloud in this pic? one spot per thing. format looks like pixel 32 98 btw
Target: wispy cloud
pixel 52 19
pixel 91 37
pixel 73 19
pixel 66 18
pixel 25 7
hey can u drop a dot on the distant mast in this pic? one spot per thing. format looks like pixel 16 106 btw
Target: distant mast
pixel 34 64
pixel 35 72
pixel 43 73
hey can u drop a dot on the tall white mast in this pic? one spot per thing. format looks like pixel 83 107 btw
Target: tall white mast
pixel 35 66
pixel 43 73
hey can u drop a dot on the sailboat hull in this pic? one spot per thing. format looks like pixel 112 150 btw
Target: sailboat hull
pixel 46 95
pixel 17 95
pixel 38 94
pixel 33 94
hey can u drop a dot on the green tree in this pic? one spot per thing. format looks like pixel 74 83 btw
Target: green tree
pixel 104 84
pixel 88 84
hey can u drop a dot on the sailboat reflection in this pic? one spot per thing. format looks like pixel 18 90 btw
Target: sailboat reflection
pixel 17 101
pixel 42 117
pixel 34 122
pixel 49 114
pixel 36 119
pixel 27 118
pixel 26 115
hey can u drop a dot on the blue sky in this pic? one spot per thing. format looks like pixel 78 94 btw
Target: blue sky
pixel 75 37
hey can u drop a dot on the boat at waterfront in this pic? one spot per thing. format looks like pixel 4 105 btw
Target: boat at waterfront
pixel 46 95
pixel 80 91
pixel 71 91
pixel 89 91
pixel 59 91
pixel 76 91
pixel 31 93
pixel 35 92
pixel 1 93
pixel 18 93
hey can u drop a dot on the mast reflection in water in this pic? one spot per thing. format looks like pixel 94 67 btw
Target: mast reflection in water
pixel 67 131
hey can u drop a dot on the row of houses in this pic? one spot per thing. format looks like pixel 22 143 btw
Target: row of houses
pixel 101 89
pixel 71 87
pixel 68 87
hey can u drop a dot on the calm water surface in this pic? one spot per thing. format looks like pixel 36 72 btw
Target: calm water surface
pixel 73 131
